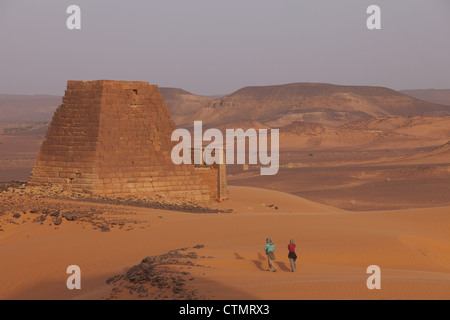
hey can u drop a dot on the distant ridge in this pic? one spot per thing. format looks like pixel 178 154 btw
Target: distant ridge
pixel 440 96
pixel 27 107
pixel 272 106
pixel 281 105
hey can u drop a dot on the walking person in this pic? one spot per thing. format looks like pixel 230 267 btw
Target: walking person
pixel 270 255
pixel 292 256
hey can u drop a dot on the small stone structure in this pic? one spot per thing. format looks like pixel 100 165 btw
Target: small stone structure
pixel 113 138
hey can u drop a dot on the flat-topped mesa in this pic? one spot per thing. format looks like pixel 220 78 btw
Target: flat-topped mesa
pixel 113 138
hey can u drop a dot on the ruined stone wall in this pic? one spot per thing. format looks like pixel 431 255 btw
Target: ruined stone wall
pixel 214 177
pixel 113 138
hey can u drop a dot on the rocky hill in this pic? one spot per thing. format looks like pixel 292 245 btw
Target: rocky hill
pixel 182 103
pixel 329 104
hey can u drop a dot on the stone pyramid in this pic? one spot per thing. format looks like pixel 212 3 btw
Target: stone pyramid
pixel 113 138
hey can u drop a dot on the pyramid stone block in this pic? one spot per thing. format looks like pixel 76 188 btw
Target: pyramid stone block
pixel 112 138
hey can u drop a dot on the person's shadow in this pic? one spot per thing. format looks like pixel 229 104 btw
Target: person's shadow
pixel 238 256
pixel 282 266
pixel 279 264
pixel 261 259
pixel 259 262
pixel 259 265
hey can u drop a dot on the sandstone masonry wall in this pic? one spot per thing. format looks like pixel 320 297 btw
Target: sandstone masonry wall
pixel 113 138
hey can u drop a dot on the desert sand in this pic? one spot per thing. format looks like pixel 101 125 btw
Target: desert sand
pixel 335 247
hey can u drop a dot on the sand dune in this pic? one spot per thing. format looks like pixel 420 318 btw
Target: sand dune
pixel 443 150
pixel 378 132
pixel 334 247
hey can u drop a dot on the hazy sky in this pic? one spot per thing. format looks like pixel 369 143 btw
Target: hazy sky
pixel 218 46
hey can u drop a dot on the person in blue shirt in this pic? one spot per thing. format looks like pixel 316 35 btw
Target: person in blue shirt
pixel 270 255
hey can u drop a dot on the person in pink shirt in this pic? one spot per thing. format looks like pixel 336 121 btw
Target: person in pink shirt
pixel 292 256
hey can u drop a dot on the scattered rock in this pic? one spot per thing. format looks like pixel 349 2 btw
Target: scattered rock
pixel 154 272
pixel 113 280
pixel 58 221
pixel 11 184
pixel 69 216
pixel 16 215
pixel 55 213
pixel 57 192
